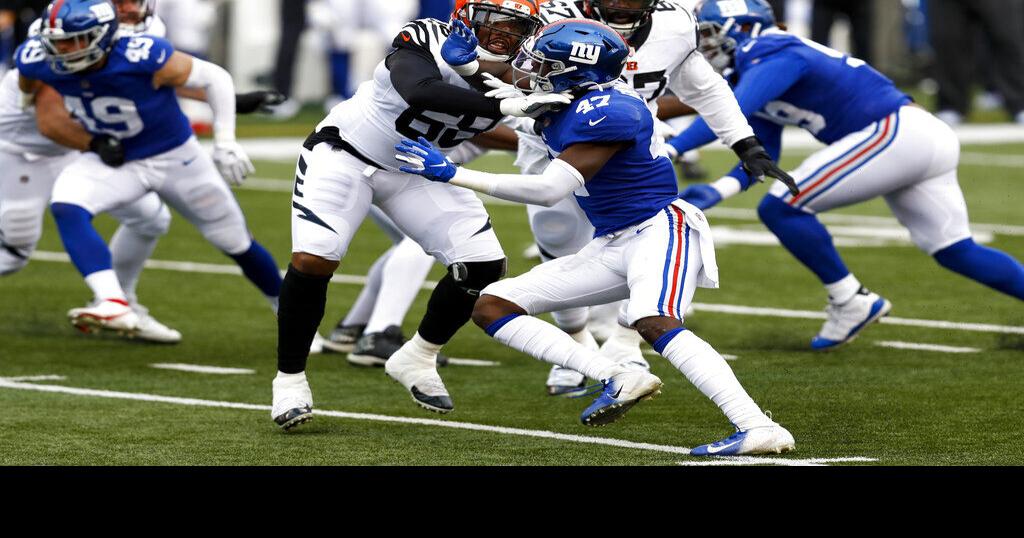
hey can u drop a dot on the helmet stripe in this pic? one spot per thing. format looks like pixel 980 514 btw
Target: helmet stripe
pixel 54 10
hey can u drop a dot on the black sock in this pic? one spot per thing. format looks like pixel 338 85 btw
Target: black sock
pixel 303 298
pixel 449 309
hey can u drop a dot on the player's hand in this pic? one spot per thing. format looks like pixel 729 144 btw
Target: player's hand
pixel 459 50
pixel 258 101
pixel 758 164
pixel 534 104
pixel 426 160
pixel 232 162
pixel 499 88
pixel 701 195
pixel 664 131
pixel 109 149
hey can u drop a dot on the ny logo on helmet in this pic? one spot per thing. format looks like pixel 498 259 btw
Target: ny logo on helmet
pixel 585 53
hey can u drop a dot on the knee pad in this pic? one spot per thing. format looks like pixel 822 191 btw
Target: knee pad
pixel 21 223
pixel 155 226
pixel 471 277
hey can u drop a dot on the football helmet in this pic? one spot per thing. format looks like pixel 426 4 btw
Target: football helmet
pixel 570 54
pixel 725 25
pixel 624 16
pixel 136 20
pixel 501 26
pixel 77 34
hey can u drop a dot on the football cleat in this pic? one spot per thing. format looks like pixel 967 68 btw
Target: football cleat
pixel 293 402
pixel 317 345
pixel 846 321
pixel 374 349
pixel 343 338
pixel 773 439
pixel 151 330
pixel 566 382
pixel 419 376
pixel 108 315
pixel 621 392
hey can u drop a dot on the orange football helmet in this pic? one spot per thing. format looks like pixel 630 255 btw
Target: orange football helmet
pixel 501 26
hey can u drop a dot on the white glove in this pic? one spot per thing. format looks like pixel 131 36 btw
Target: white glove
pixel 232 162
pixel 500 88
pixel 533 105
pixel 664 131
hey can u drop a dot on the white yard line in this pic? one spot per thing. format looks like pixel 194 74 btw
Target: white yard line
pixel 754 460
pixel 472 362
pixel 992 159
pixel 191 267
pixel 542 434
pixel 725 356
pixel 201 369
pixel 926 347
pixel 34 378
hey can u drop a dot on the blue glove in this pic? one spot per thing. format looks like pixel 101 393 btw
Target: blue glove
pixel 426 160
pixel 701 195
pixel 460 47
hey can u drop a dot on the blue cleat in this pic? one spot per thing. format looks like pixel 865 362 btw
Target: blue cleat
pixel 621 392
pixel 772 439
pixel 846 321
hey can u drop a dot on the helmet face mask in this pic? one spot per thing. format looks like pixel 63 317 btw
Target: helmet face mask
pixel 716 46
pixel 500 26
pixel 623 16
pixel 569 55
pixel 725 25
pixel 531 72
pixel 135 14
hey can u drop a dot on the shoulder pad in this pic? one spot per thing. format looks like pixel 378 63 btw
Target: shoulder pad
pixel 30 59
pixel 424 34
pixel 556 10
pixel 605 116
pixel 764 45
pixel 146 52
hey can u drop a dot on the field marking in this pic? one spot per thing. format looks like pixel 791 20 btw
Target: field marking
pixel 192 267
pixel 754 460
pixel 542 434
pixel 201 369
pixel 992 159
pixel 926 347
pixel 34 378
pixel 725 356
pixel 472 362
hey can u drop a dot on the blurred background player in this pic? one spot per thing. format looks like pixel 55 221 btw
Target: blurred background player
pixel 122 91
pixel 879 144
pixel 650 248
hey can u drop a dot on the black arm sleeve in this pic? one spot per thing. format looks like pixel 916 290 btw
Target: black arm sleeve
pixel 416 77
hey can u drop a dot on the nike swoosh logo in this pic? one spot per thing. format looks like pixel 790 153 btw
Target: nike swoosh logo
pixel 715 450
pixel 163 56
pixel 638 232
pixel 190 161
pixel 405 37
pixel 593 123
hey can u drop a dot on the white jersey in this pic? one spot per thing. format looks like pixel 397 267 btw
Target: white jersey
pixel 18 131
pixel 377 118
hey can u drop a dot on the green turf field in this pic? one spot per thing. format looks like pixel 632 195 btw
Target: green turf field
pixel 865 404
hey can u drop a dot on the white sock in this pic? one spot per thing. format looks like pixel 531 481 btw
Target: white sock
pixel 548 343
pixel 571 320
pixel 363 307
pixel 624 337
pixel 289 379
pixel 104 285
pixel 708 371
pixel 129 251
pixel 585 339
pixel 842 290
pixel 274 303
pixel 402 279
pixel 421 349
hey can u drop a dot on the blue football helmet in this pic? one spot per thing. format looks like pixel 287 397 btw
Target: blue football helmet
pixel 77 34
pixel 570 54
pixel 727 24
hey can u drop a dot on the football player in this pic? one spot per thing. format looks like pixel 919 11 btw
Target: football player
pixel 663 37
pixel 349 163
pixel 650 247
pixel 121 89
pixel 879 144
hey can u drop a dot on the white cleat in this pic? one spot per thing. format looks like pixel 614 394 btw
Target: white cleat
pixel 317 346
pixel 419 376
pixel 565 382
pixel 847 320
pixel 773 439
pixel 152 330
pixel 107 315
pixel 621 392
pixel 293 401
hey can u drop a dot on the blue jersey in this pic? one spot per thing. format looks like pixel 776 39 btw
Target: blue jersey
pixel 118 99
pixel 781 79
pixel 636 182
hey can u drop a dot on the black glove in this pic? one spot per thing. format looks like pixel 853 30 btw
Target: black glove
pixel 247 103
pixel 757 163
pixel 109 149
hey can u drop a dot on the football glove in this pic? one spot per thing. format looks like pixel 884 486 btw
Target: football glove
pixel 109 149
pixel 758 164
pixel 459 49
pixel 426 160
pixel 259 101
pixel 232 162
pixel 701 195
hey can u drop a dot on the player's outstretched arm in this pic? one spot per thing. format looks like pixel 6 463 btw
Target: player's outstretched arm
pixel 573 167
pixel 55 122
pixel 182 70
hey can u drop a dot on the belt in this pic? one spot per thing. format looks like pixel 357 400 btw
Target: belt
pixel 332 136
